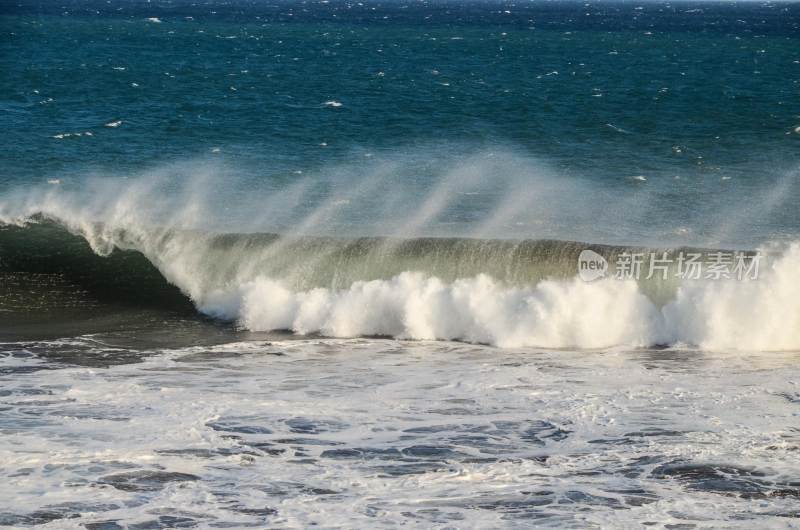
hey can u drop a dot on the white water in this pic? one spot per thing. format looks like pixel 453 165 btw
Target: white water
pixel 762 314
pixel 377 433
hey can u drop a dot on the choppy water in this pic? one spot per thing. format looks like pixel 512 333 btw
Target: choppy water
pixel 358 433
pixel 291 264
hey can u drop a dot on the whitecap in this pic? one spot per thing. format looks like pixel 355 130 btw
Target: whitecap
pixel 618 129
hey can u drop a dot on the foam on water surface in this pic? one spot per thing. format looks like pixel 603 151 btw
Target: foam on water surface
pixel 373 432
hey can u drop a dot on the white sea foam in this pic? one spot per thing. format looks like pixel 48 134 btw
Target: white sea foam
pixel 61 136
pixel 424 434
pixel 763 314
pixel 415 306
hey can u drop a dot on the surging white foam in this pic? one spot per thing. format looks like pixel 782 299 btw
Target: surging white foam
pixel 762 314
pixel 413 305
pixel 393 427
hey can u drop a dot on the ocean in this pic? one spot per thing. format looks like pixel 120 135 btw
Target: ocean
pixel 438 264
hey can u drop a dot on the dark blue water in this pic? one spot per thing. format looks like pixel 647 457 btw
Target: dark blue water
pixel 603 90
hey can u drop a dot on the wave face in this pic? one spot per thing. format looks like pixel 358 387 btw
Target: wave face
pixel 504 293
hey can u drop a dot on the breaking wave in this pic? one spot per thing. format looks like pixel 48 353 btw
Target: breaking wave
pixel 505 293
pixel 136 243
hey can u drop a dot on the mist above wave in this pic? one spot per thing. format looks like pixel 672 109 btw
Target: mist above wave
pixel 462 190
pixel 484 291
